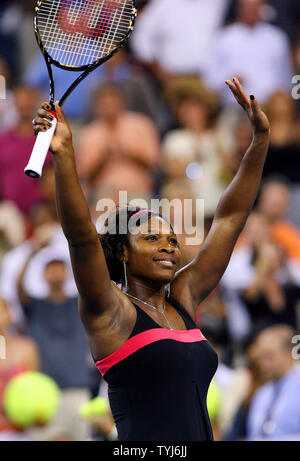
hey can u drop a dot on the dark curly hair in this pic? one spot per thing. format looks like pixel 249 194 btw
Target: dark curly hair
pixel 113 239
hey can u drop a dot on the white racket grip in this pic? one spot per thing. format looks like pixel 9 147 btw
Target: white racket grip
pixel 40 150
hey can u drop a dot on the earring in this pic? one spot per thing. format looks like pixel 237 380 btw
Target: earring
pixel 125 276
pixel 168 288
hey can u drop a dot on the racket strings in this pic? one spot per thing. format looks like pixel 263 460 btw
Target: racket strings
pixel 77 33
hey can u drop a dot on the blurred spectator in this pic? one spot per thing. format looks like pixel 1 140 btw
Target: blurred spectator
pixel 10 20
pixel 48 235
pixel 272 296
pixel 12 227
pixel 137 86
pixel 15 149
pixel 192 153
pixel 55 325
pixel 119 149
pixel 275 408
pixel 27 45
pixel 261 284
pixel 177 43
pixel 237 399
pixel 232 157
pixel 78 104
pixel 285 15
pixel 8 110
pixel 273 202
pixel 285 140
pixel 254 51
pixel 296 55
pixel 284 147
pixel 239 274
pixel 21 355
pixel 120 70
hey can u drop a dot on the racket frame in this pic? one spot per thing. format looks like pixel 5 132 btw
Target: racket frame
pixel 87 69
pixel 41 147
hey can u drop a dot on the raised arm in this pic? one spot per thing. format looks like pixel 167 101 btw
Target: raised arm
pixel 195 281
pixel 88 261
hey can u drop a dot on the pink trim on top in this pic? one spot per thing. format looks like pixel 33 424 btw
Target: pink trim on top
pixel 142 211
pixel 143 339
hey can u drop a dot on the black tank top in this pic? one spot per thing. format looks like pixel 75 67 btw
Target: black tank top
pixel 158 381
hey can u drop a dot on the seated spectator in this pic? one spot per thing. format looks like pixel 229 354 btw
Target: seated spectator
pixel 21 355
pixel 275 407
pixel 177 43
pixel 255 51
pixel 119 149
pixel 273 202
pixel 192 153
pixel 54 324
pixel 16 146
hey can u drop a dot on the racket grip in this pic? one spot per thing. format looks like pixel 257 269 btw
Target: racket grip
pixel 40 150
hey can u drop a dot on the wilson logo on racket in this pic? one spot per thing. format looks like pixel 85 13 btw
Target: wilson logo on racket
pixel 76 35
pixel 85 18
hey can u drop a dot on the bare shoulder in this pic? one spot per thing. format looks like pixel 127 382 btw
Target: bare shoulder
pixel 108 331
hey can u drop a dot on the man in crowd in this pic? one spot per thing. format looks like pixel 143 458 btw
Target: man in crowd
pixel 275 408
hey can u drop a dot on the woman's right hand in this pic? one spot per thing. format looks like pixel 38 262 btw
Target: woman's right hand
pixel 62 139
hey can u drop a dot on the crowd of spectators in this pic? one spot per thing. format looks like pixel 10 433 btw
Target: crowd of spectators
pixel 157 121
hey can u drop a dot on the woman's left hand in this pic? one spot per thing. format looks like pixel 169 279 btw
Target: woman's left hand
pixel 257 117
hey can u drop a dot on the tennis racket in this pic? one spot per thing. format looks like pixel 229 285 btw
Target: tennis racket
pixel 76 35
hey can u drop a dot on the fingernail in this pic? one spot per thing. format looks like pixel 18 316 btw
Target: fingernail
pixel 251 97
pixel 49 124
pixel 48 107
pixel 51 117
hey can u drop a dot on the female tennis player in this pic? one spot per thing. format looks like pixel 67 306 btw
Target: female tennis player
pixel 144 338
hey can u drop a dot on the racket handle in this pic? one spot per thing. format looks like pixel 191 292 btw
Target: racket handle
pixel 40 150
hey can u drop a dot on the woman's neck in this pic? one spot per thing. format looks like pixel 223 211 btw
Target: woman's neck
pixel 146 292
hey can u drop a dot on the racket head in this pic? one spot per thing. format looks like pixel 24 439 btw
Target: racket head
pixel 79 35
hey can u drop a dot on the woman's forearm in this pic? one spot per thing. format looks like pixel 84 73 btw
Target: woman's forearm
pixel 239 197
pixel 72 205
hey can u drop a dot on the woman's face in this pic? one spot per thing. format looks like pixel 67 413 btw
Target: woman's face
pixel 282 107
pixel 153 253
pixel 192 114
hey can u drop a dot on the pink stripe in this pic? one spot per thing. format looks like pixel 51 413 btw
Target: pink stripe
pixel 143 339
pixel 142 211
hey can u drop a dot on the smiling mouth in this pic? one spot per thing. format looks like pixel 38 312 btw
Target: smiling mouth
pixel 166 262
